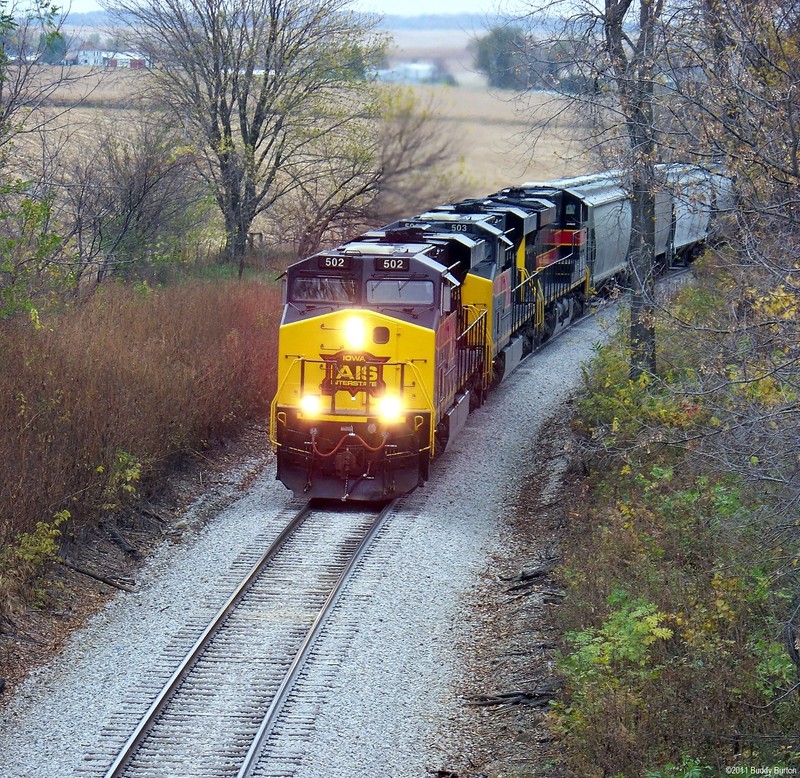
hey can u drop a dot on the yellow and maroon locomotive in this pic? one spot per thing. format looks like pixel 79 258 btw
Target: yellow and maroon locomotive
pixel 376 358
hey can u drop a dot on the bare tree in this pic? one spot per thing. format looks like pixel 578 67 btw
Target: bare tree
pixel 257 84
pixel 383 166
pixel 612 51
pixel 129 201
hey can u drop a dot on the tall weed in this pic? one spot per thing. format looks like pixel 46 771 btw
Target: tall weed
pixel 96 400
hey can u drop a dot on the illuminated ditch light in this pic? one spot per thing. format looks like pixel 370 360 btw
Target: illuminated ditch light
pixel 355 333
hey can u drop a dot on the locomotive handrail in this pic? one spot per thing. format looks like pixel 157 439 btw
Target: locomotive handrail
pixel 473 309
pixel 481 318
pixel 399 363
pixel 273 406
pixel 553 287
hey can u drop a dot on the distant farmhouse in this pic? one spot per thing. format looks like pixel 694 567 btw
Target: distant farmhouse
pixel 412 73
pixel 93 56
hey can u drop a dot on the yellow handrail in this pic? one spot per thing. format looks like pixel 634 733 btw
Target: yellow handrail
pixel 273 406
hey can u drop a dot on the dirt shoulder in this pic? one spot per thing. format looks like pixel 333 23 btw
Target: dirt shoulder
pixel 509 659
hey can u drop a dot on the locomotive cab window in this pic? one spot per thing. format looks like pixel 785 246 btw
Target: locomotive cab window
pixel 391 291
pixel 322 289
pixel 447 299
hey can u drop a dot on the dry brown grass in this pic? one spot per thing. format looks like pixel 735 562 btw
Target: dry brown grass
pixel 115 389
pixel 492 132
pixel 99 88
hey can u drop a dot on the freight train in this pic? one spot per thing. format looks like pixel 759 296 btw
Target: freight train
pixel 388 341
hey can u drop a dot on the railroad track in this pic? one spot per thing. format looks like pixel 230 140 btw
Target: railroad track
pixel 223 699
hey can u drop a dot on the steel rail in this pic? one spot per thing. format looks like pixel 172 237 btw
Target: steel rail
pixel 124 757
pixel 271 716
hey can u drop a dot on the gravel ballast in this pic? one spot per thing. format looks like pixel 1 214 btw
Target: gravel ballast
pixel 380 687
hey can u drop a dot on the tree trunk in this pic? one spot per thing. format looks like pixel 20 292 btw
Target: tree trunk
pixel 643 332
pixel 239 213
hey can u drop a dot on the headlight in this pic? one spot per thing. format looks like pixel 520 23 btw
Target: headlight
pixel 310 404
pixel 354 332
pixel 390 408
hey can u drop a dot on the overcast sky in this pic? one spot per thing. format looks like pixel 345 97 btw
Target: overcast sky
pixel 401 7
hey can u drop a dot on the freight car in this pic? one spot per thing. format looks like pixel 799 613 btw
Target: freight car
pixel 388 341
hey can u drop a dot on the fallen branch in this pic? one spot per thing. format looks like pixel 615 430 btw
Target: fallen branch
pixel 525 578
pixel 152 513
pixel 97 577
pixel 120 540
pixel 537 572
pixel 553 597
pixel 537 698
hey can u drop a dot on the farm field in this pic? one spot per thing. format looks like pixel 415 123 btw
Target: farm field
pixel 491 128
pixel 490 131
pixel 493 138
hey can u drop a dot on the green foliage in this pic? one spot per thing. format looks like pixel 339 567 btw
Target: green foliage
pixel 688 768
pixel 13 34
pixel 53 46
pixel 697 547
pixel 512 59
pixel 8 25
pixel 608 657
pixel 121 480
pixel 41 545
pixel 501 55
pixel 23 559
pixel 29 271
pixel 358 61
pixel 623 412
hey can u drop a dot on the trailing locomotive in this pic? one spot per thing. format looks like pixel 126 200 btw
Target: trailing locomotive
pixel 388 341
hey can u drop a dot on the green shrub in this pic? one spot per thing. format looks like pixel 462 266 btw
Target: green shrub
pixel 689 672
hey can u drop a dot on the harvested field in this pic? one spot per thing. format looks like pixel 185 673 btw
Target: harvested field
pixel 492 131
pixel 493 137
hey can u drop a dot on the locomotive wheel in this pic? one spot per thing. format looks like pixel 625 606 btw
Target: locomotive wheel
pixel 440 437
pixel 498 369
pixel 580 306
pixel 477 394
pixel 529 341
pixel 550 322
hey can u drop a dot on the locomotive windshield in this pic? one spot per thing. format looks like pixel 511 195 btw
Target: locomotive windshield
pixel 399 292
pixel 322 289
